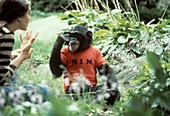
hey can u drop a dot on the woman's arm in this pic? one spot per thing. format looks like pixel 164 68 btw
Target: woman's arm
pixel 26 50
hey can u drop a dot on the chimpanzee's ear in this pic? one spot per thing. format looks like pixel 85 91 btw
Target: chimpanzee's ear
pixel 89 37
pixel 89 34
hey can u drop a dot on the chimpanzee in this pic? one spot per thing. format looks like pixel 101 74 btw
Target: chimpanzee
pixel 81 58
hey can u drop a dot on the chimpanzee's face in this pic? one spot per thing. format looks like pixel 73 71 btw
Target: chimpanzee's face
pixel 73 44
pixel 78 38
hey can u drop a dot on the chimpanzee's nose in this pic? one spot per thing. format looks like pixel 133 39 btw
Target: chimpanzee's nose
pixel 73 39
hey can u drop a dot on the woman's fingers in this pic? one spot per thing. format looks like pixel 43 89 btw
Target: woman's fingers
pixel 29 44
pixel 28 35
pixel 29 39
pixel 26 48
pixel 35 36
pixel 26 43
pixel 33 39
pixel 21 39
pixel 29 53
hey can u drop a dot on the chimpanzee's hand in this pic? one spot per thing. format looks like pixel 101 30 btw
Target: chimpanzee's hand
pixel 60 40
pixel 64 36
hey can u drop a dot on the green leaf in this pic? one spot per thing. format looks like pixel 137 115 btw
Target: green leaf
pixel 154 104
pixel 113 47
pixel 155 65
pixel 101 32
pixel 153 60
pixel 167 82
pixel 158 50
pixel 122 39
pixel 107 42
pixel 105 48
pixel 114 11
pixel 135 50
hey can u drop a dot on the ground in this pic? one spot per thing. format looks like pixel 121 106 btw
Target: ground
pixel 47 27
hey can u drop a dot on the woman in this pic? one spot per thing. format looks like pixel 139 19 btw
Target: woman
pixel 14 15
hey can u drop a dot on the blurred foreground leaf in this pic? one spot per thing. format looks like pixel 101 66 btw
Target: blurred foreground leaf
pixel 156 67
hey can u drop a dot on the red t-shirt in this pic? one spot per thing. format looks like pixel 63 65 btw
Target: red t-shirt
pixel 85 62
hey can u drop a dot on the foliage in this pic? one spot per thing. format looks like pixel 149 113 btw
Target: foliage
pixel 48 6
pixel 151 102
pixel 125 35
pixel 148 9
pixel 154 9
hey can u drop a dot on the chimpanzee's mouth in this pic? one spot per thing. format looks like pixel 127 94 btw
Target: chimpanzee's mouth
pixel 73 46
pixel 74 43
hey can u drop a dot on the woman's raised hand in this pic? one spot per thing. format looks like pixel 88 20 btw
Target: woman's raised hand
pixel 26 43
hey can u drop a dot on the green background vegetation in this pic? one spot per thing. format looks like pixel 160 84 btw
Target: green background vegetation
pixel 148 9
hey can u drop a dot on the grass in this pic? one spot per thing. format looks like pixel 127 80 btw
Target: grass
pixel 36 75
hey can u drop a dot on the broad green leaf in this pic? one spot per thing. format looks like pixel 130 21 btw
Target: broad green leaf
pixel 107 42
pixel 154 104
pixel 155 65
pixel 73 13
pixel 122 22
pixel 165 39
pixel 153 60
pixel 167 82
pixel 122 39
pixel 101 32
pixel 158 50
pixel 105 48
pixel 144 36
pixel 99 46
pixel 136 50
pixel 106 56
pixel 113 47
pixel 116 11
pixel 133 29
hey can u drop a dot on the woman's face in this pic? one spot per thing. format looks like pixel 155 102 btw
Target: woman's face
pixel 25 20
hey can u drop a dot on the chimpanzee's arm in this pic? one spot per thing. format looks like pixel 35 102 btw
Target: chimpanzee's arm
pixel 107 71
pixel 112 83
pixel 55 59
